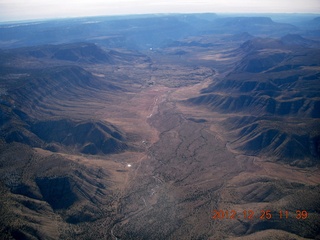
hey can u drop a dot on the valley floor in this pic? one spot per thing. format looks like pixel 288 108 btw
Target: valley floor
pixel 163 146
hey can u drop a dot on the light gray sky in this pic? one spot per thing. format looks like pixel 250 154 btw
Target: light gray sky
pixel 41 9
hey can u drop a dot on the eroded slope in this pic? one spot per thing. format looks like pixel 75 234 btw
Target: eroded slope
pixel 274 90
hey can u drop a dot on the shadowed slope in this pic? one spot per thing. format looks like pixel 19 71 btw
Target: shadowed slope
pixel 52 192
pixel 276 83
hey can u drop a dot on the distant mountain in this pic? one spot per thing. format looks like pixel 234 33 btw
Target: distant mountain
pixel 136 32
pixel 139 32
pixel 251 25
pixel 244 36
pixel 245 21
pixel 190 44
pixel 298 40
pixel 86 52
pixel 256 44
pixel 74 52
pixel 66 54
pixel 314 23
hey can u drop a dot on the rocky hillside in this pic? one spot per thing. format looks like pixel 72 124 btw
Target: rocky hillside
pixel 274 88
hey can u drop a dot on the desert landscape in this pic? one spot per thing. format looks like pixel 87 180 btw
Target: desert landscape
pixel 179 126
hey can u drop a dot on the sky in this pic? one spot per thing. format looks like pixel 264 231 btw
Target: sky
pixel 13 10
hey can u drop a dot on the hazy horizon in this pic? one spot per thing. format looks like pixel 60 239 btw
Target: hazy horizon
pixel 18 10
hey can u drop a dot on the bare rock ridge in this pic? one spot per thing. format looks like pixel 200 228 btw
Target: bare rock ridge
pixel 264 136
pixel 87 137
pixel 271 82
pixel 73 52
pixel 85 53
pixel 39 87
pixel 260 105
pixel 59 83
pixel 40 90
pixel 47 185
